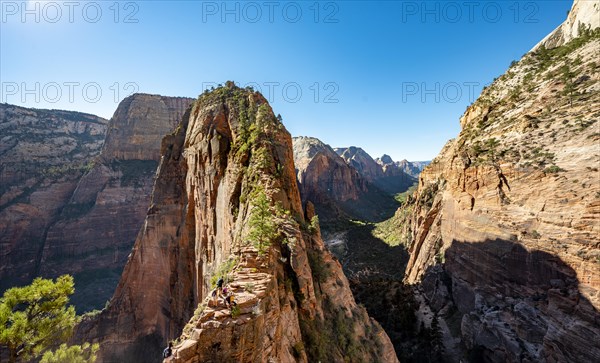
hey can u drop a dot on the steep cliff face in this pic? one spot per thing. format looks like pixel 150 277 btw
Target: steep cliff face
pixel 322 174
pixel 226 203
pixel 43 154
pixel 503 229
pixel 140 121
pixel 67 209
pixel 336 189
pixel 412 168
pixel 361 161
pixel 401 170
pixel 386 175
pixel 95 232
pixel 582 12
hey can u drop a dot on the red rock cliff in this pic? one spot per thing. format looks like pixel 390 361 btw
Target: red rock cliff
pixel 97 227
pixel 504 226
pixel 226 203
pixel 43 155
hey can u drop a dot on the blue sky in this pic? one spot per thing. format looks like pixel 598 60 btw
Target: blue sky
pixel 391 77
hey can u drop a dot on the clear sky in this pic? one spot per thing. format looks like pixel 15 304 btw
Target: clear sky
pixel 391 77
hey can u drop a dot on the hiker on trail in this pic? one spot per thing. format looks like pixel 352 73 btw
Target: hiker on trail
pixel 219 290
pixel 168 351
pixel 230 300
pixel 214 299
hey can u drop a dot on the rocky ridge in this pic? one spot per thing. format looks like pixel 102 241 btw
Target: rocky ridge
pixel 312 158
pixel 386 175
pixel 412 168
pixel 361 161
pixel 43 154
pixel 77 202
pixel 503 233
pixel 582 12
pixel 338 191
pixel 225 180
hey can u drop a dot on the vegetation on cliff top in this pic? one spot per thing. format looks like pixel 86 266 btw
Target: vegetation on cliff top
pixel 264 215
pixel 559 70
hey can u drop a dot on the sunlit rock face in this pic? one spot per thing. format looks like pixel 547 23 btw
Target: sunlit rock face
pixel 337 190
pixel 386 175
pixel 294 303
pixel 73 203
pixel 504 225
pixel 43 155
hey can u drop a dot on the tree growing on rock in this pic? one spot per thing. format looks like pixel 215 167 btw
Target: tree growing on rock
pixel 35 317
pixel 85 353
pixel 263 228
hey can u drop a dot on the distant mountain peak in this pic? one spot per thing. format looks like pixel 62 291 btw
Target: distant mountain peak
pixel 386 159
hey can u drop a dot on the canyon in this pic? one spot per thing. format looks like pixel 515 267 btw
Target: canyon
pixel 43 154
pixel 503 232
pixel 81 191
pixel 490 252
pixel 206 214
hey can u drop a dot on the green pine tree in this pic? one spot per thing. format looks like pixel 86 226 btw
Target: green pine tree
pixel 85 353
pixel 263 228
pixel 36 316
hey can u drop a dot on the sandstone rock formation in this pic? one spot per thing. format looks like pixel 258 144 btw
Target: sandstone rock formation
pixel 361 161
pixel 393 168
pixel 226 203
pixel 338 191
pixel 95 233
pixel 503 229
pixel 583 12
pixel 387 176
pixel 67 209
pixel 323 174
pixel 139 123
pixel 43 154
pixel 412 168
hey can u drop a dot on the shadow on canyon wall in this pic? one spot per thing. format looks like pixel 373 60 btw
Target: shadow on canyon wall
pixel 502 301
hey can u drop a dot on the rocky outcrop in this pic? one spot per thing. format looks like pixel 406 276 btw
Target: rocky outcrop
pixel 323 174
pixel 361 161
pixel 72 203
pixel 503 229
pixel 387 176
pixel 412 168
pixel 583 13
pixel 336 189
pixel 43 154
pixel 140 122
pixel 226 203
pixel 97 228
pixel 400 169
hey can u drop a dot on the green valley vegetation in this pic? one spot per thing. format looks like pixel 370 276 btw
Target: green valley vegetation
pixel 404 196
pixel 36 317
